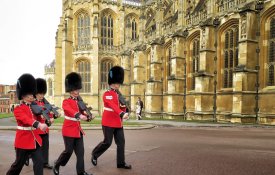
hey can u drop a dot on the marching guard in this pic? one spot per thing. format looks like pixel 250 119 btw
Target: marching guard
pixel 71 130
pixel 41 91
pixel 27 140
pixel 112 119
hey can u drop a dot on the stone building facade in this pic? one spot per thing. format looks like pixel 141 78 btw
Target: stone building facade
pixel 8 98
pixel 192 59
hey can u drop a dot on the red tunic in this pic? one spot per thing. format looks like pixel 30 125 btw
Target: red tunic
pixel 71 128
pixel 111 113
pixel 41 119
pixel 25 139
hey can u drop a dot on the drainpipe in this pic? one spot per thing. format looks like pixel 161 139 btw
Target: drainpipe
pixel 258 7
pixel 216 24
pixel 185 35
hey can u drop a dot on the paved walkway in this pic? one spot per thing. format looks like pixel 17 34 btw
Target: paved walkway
pixel 167 151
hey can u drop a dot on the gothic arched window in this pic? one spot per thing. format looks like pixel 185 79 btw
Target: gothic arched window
pixel 50 87
pixel 231 49
pixel 271 59
pixel 195 60
pixel 134 29
pixel 83 68
pixel 106 65
pixel 83 30
pixel 169 56
pixel 107 30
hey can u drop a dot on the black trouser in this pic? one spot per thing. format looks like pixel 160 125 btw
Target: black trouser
pixel 118 134
pixel 76 145
pixel 22 155
pixel 45 147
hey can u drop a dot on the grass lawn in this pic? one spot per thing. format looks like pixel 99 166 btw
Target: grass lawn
pixel 96 121
pixel 180 119
pixel 6 115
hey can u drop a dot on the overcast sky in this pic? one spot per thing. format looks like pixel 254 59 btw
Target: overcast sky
pixel 27 37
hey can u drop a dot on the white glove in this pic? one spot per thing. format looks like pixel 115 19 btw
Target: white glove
pixel 125 116
pixel 83 117
pixel 42 126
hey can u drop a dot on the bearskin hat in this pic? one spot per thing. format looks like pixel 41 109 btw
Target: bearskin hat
pixel 116 75
pixel 73 82
pixel 26 84
pixel 41 85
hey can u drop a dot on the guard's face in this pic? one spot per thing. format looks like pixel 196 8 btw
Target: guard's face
pixel 39 96
pixel 116 86
pixel 28 98
pixel 75 93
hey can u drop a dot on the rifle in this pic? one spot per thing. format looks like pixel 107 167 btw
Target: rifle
pixel 39 110
pixel 51 108
pixel 122 100
pixel 82 106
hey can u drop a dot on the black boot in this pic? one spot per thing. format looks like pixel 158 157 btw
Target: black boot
pixel 124 166
pixel 48 166
pixel 94 160
pixel 55 168
pixel 27 162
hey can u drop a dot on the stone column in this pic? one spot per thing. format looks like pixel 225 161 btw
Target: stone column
pixel 159 18
pixel 58 64
pixel 174 99
pixel 244 78
pixel 96 98
pixel 154 89
pixel 121 19
pixel 138 74
pixel 204 77
pixel 125 63
pixel 67 46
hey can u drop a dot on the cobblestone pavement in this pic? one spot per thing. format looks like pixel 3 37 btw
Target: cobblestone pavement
pixel 168 151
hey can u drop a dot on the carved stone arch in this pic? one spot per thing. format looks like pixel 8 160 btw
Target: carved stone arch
pixel 192 61
pixel 131 15
pixel 82 65
pixel 105 64
pixel 167 67
pixel 81 11
pixel 108 11
pixel 110 59
pixel 80 38
pixel 191 37
pixel 81 59
pixel 224 76
pixel 131 22
pixel 266 67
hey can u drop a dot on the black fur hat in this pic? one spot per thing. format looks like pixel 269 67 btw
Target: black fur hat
pixel 73 82
pixel 116 75
pixel 41 85
pixel 26 84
